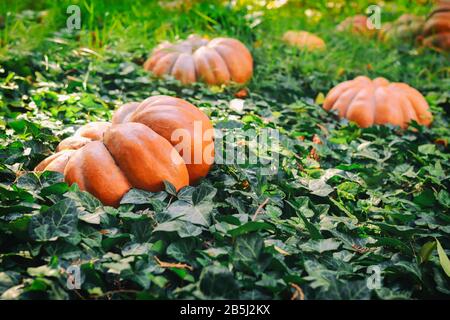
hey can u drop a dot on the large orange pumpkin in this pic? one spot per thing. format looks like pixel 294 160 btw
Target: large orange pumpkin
pixel 368 102
pixel 304 40
pixel 436 31
pixel 358 24
pixel 140 149
pixel 219 61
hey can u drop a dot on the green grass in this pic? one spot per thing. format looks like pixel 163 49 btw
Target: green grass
pixel 384 205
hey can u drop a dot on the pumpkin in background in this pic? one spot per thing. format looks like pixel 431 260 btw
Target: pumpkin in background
pixel 138 150
pixel 406 28
pixel 436 31
pixel 219 61
pixel 370 102
pixel 304 40
pixel 358 24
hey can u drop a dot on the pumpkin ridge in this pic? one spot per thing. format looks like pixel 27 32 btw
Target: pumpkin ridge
pixel 341 105
pixel 87 182
pixel 170 71
pixel 374 104
pixel 122 114
pixel 226 64
pixel 396 112
pixel 215 68
pixel 144 140
pixel 231 71
pixel 334 94
pixel 52 161
pixel 201 65
pixel 359 104
pixel 165 68
pixel 156 110
pixel 413 104
pixel 184 69
pixel 358 91
pixel 409 113
pixel 234 44
pixel 379 105
pixel 420 106
pixel 87 169
pixel 182 104
pixel 341 93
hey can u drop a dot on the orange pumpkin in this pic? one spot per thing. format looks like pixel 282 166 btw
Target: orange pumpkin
pixel 140 149
pixel 436 31
pixel 369 102
pixel 406 28
pixel 219 61
pixel 304 40
pixel 358 24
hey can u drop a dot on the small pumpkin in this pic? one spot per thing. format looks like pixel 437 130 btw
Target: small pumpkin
pixel 406 28
pixel 138 150
pixel 370 102
pixel 358 24
pixel 436 31
pixel 219 61
pixel 304 40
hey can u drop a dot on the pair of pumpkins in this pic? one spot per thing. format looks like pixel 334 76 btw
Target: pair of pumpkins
pixel 406 28
pixel 137 150
pixel 436 31
pixel 432 32
pixel 215 62
pixel 376 102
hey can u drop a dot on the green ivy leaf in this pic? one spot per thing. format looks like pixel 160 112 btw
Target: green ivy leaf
pixel 59 221
pixel 250 227
pixel 218 282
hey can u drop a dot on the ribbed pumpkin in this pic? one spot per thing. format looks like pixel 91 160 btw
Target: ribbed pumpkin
pixel 358 24
pixel 436 31
pixel 369 102
pixel 406 28
pixel 138 150
pixel 219 61
pixel 304 40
